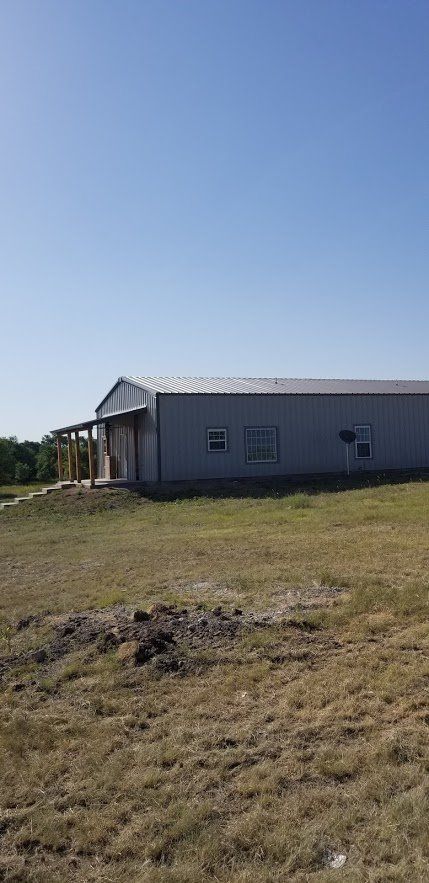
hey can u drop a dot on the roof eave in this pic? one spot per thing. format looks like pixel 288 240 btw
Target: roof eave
pixel 96 421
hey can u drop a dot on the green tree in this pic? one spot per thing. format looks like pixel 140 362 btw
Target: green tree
pixel 28 460
pixel 12 453
pixel 22 472
pixel 46 461
pixel 7 459
pixel 26 453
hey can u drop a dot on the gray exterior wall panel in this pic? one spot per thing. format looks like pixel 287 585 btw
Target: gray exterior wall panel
pixel 307 433
pixel 122 397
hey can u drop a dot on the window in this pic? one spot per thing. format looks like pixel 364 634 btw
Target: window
pixel 261 444
pixel 363 445
pixel 217 440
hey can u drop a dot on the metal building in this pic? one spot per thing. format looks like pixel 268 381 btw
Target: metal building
pixel 173 428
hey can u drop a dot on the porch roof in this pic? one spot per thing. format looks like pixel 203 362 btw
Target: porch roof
pixel 107 418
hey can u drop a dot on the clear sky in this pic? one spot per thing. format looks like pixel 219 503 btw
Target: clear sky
pixel 209 187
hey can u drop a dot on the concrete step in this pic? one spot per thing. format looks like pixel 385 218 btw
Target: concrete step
pixel 60 485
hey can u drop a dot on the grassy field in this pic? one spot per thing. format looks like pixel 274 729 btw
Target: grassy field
pixel 263 755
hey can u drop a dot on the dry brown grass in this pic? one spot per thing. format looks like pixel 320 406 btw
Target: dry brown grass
pixel 272 749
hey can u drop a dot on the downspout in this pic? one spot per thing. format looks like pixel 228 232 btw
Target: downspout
pixel 136 446
pixel 158 433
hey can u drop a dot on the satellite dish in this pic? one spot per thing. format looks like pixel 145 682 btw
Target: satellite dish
pixel 347 436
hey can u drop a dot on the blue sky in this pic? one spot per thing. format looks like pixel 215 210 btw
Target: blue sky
pixel 209 187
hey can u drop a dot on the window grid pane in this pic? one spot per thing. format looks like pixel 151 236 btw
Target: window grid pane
pixel 362 433
pixel 261 444
pixel 363 444
pixel 216 440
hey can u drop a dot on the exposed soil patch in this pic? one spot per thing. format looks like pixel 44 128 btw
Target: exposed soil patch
pixel 169 633
pixel 309 598
pixel 162 630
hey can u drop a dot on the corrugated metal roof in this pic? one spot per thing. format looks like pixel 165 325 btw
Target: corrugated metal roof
pixel 86 424
pixel 278 386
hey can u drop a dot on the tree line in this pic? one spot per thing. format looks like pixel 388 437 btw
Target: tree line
pixel 27 461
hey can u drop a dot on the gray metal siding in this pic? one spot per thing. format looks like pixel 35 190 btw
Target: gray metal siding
pixel 307 433
pixel 124 396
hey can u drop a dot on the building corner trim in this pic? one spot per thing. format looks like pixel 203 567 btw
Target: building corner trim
pixel 158 433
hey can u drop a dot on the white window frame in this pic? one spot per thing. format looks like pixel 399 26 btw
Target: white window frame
pixel 368 441
pixel 249 429
pixel 220 429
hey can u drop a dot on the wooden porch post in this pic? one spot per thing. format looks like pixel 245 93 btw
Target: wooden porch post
pixel 91 458
pixel 107 464
pixel 60 458
pixel 70 456
pixel 77 452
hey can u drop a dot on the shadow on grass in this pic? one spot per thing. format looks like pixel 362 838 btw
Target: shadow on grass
pixel 275 487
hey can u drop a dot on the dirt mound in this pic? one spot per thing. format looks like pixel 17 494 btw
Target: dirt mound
pixel 135 635
pixel 156 630
pixel 174 638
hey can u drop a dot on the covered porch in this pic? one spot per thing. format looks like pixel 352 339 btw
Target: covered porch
pixel 117 444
